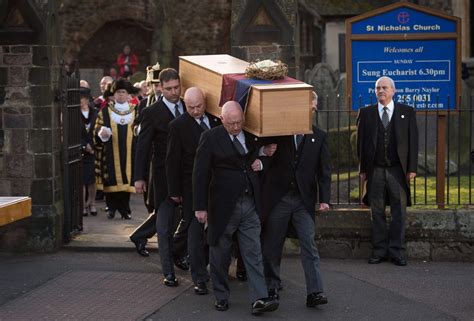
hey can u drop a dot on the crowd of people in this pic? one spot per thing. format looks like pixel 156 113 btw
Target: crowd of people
pixel 212 189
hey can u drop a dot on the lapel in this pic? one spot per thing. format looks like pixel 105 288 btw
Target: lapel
pixel 228 148
pixel 195 129
pixel 396 124
pixel 374 122
pixel 213 120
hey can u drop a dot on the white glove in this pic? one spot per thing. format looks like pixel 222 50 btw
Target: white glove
pixel 104 133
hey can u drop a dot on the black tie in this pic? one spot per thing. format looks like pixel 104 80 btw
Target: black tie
pixel 299 138
pixel 238 145
pixel 176 111
pixel 385 119
pixel 203 124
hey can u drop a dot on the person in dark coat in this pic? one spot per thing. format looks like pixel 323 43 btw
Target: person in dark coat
pixel 153 140
pixel 297 173
pixel 387 147
pixel 88 118
pixel 226 192
pixel 147 229
pixel 183 139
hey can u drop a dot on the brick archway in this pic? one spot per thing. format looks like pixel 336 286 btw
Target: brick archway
pixel 102 48
pixel 85 18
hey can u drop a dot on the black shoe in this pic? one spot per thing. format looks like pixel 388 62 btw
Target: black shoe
pixel 170 280
pixel 126 216
pixel 222 305
pixel 315 299
pixel 200 288
pixel 94 213
pixel 264 305
pixel 399 261
pixel 85 214
pixel 141 249
pixel 273 294
pixel 182 263
pixel 375 259
pixel 110 214
pixel 241 275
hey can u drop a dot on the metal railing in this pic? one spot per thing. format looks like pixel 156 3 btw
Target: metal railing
pixel 443 134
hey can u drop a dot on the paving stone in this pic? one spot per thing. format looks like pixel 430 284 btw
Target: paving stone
pixel 92 295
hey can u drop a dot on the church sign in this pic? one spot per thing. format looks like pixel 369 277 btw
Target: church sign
pixel 418 48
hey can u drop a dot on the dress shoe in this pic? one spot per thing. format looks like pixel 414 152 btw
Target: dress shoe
pixel 222 305
pixel 141 249
pixel 375 259
pixel 170 280
pixel 264 305
pixel 110 214
pixel 399 261
pixel 316 298
pixel 125 215
pixel 182 263
pixel 200 288
pixel 273 294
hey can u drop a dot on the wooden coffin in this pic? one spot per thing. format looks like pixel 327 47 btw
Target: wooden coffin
pixel 272 109
pixel 14 208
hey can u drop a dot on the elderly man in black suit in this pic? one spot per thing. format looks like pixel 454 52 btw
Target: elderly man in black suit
pixel 295 175
pixel 153 138
pixel 226 195
pixel 183 140
pixel 387 145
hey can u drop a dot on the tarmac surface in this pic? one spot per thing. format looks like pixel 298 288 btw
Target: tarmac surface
pixel 99 276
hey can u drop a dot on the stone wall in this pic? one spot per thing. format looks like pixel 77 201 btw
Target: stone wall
pixel 30 146
pixel 30 135
pixel 444 235
pixel 157 30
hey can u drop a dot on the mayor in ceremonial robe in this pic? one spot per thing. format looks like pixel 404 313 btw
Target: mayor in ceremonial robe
pixel 114 143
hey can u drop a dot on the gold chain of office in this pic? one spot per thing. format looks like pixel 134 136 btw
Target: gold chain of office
pixel 122 113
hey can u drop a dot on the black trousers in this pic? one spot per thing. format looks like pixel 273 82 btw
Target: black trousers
pixel 118 201
pixel 388 184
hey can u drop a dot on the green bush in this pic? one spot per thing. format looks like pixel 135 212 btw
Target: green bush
pixel 342 146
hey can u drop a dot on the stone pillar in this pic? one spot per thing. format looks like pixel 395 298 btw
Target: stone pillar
pixel 30 137
pixel 263 29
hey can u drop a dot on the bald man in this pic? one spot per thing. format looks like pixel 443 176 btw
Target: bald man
pixel 183 139
pixel 226 195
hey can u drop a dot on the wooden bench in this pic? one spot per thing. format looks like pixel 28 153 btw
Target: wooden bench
pixel 14 208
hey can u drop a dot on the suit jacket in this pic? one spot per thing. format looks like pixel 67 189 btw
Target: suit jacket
pixel 183 140
pixel 152 140
pixel 406 137
pixel 310 166
pixel 220 177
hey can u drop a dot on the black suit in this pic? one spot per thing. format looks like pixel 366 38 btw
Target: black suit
pixel 387 184
pixel 225 186
pixel 293 179
pixel 310 165
pixel 183 140
pixel 152 142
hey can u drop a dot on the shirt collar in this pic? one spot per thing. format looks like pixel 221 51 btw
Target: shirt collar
pixel 390 107
pixel 170 104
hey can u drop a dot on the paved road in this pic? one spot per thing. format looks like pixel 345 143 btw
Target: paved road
pixel 110 281
pixel 123 286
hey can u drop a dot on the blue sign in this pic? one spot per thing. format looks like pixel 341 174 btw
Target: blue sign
pixel 403 20
pixel 403 44
pixel 424 75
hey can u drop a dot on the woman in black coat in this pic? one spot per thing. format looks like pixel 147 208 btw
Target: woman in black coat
pixel 88 118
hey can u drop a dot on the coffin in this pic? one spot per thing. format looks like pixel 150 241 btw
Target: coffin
pixel 272 109
pixel 14 208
